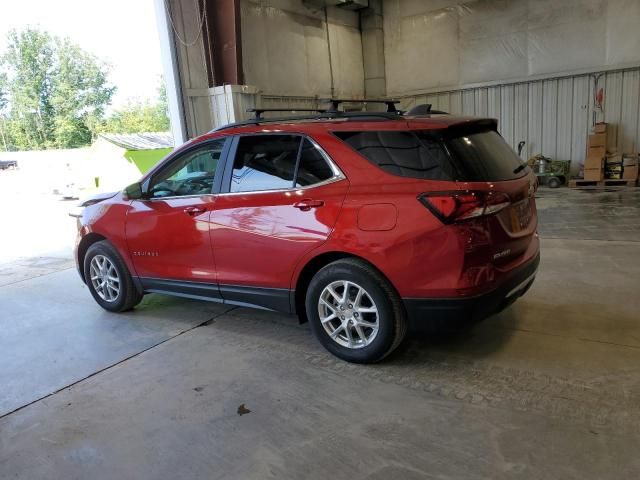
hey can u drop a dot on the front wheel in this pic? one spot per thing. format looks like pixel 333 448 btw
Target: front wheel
pixel 108 278
pixel 354 311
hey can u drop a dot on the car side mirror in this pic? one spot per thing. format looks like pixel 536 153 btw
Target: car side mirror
pixel 134 191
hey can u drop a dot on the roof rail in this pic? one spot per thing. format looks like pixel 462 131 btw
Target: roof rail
pixel 320 115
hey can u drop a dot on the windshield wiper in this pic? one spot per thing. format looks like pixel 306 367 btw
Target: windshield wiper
pixel 520 168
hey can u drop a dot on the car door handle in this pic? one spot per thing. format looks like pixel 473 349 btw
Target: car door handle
pixel 194 210
pixel 308 204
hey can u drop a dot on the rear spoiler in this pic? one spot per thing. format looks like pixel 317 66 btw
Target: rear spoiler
pixel 472 125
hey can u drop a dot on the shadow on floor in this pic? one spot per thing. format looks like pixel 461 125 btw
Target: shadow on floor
pixel 474 339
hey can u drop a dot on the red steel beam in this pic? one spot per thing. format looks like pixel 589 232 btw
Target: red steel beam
pixel 223 42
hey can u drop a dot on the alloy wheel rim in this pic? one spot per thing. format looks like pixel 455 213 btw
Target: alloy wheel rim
pixel 348 314
pixel 104 278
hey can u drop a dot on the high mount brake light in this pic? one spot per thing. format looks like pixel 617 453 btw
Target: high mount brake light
pixel 451 207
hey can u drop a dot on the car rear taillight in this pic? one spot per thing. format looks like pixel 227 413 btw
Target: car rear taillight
pixel 452 207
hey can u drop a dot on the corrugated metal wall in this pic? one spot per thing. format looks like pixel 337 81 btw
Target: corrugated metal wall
pixel 552 116
pixel 279 101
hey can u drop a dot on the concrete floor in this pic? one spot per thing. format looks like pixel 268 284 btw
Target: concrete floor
pixel 550 388
pixel 33 221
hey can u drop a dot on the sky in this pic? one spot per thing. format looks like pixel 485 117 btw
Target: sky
pixel 121 32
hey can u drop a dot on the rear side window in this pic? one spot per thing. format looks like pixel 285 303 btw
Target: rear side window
pixel 271 162
pixel 405 154
pixel 265 162
pixel 472 156
pixel 313 167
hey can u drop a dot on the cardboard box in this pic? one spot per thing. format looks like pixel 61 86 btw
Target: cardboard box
pixel 630 173
pixel 595 157
pixel 600 128
pixel 630 160
pixel 593 174
pixel 597 140
pixel 594 162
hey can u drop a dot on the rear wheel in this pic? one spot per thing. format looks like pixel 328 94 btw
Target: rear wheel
pixel 553 182
pixel 108 278
pixel 354 311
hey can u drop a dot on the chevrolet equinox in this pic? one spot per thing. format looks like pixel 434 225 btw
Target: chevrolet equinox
pixel 362 224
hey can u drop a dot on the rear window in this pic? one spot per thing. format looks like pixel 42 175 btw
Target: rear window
pixel 485 156
pixel 427 155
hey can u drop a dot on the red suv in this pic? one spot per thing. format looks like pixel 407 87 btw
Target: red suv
pixel 359 223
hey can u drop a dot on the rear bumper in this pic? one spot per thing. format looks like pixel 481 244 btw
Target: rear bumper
pixel 443 311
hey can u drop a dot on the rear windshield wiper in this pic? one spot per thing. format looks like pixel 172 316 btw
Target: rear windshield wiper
pixel 520 168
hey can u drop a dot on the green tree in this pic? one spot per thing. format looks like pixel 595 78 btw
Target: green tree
pixel 3 92
pixel 140 116
pixel 28 63
pixel 3 106
pixel 79 94
pixel 54 91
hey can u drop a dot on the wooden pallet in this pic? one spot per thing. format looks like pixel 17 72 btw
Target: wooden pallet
pixel 602 183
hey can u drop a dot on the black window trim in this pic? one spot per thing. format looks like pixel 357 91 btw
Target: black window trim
pixel 231 155
pixel 176 156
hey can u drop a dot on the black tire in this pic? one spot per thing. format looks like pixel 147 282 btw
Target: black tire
pixel 391 315
pixel 128 295
pixel 553 182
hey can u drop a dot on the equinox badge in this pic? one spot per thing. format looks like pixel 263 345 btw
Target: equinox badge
pixel 501 254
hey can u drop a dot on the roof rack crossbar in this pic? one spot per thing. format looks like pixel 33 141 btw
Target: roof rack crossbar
pixel 333 113
pixel 259 111
pixel 335 103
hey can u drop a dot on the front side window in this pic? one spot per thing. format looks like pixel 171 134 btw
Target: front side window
pixel 190 174
pixel 268 162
